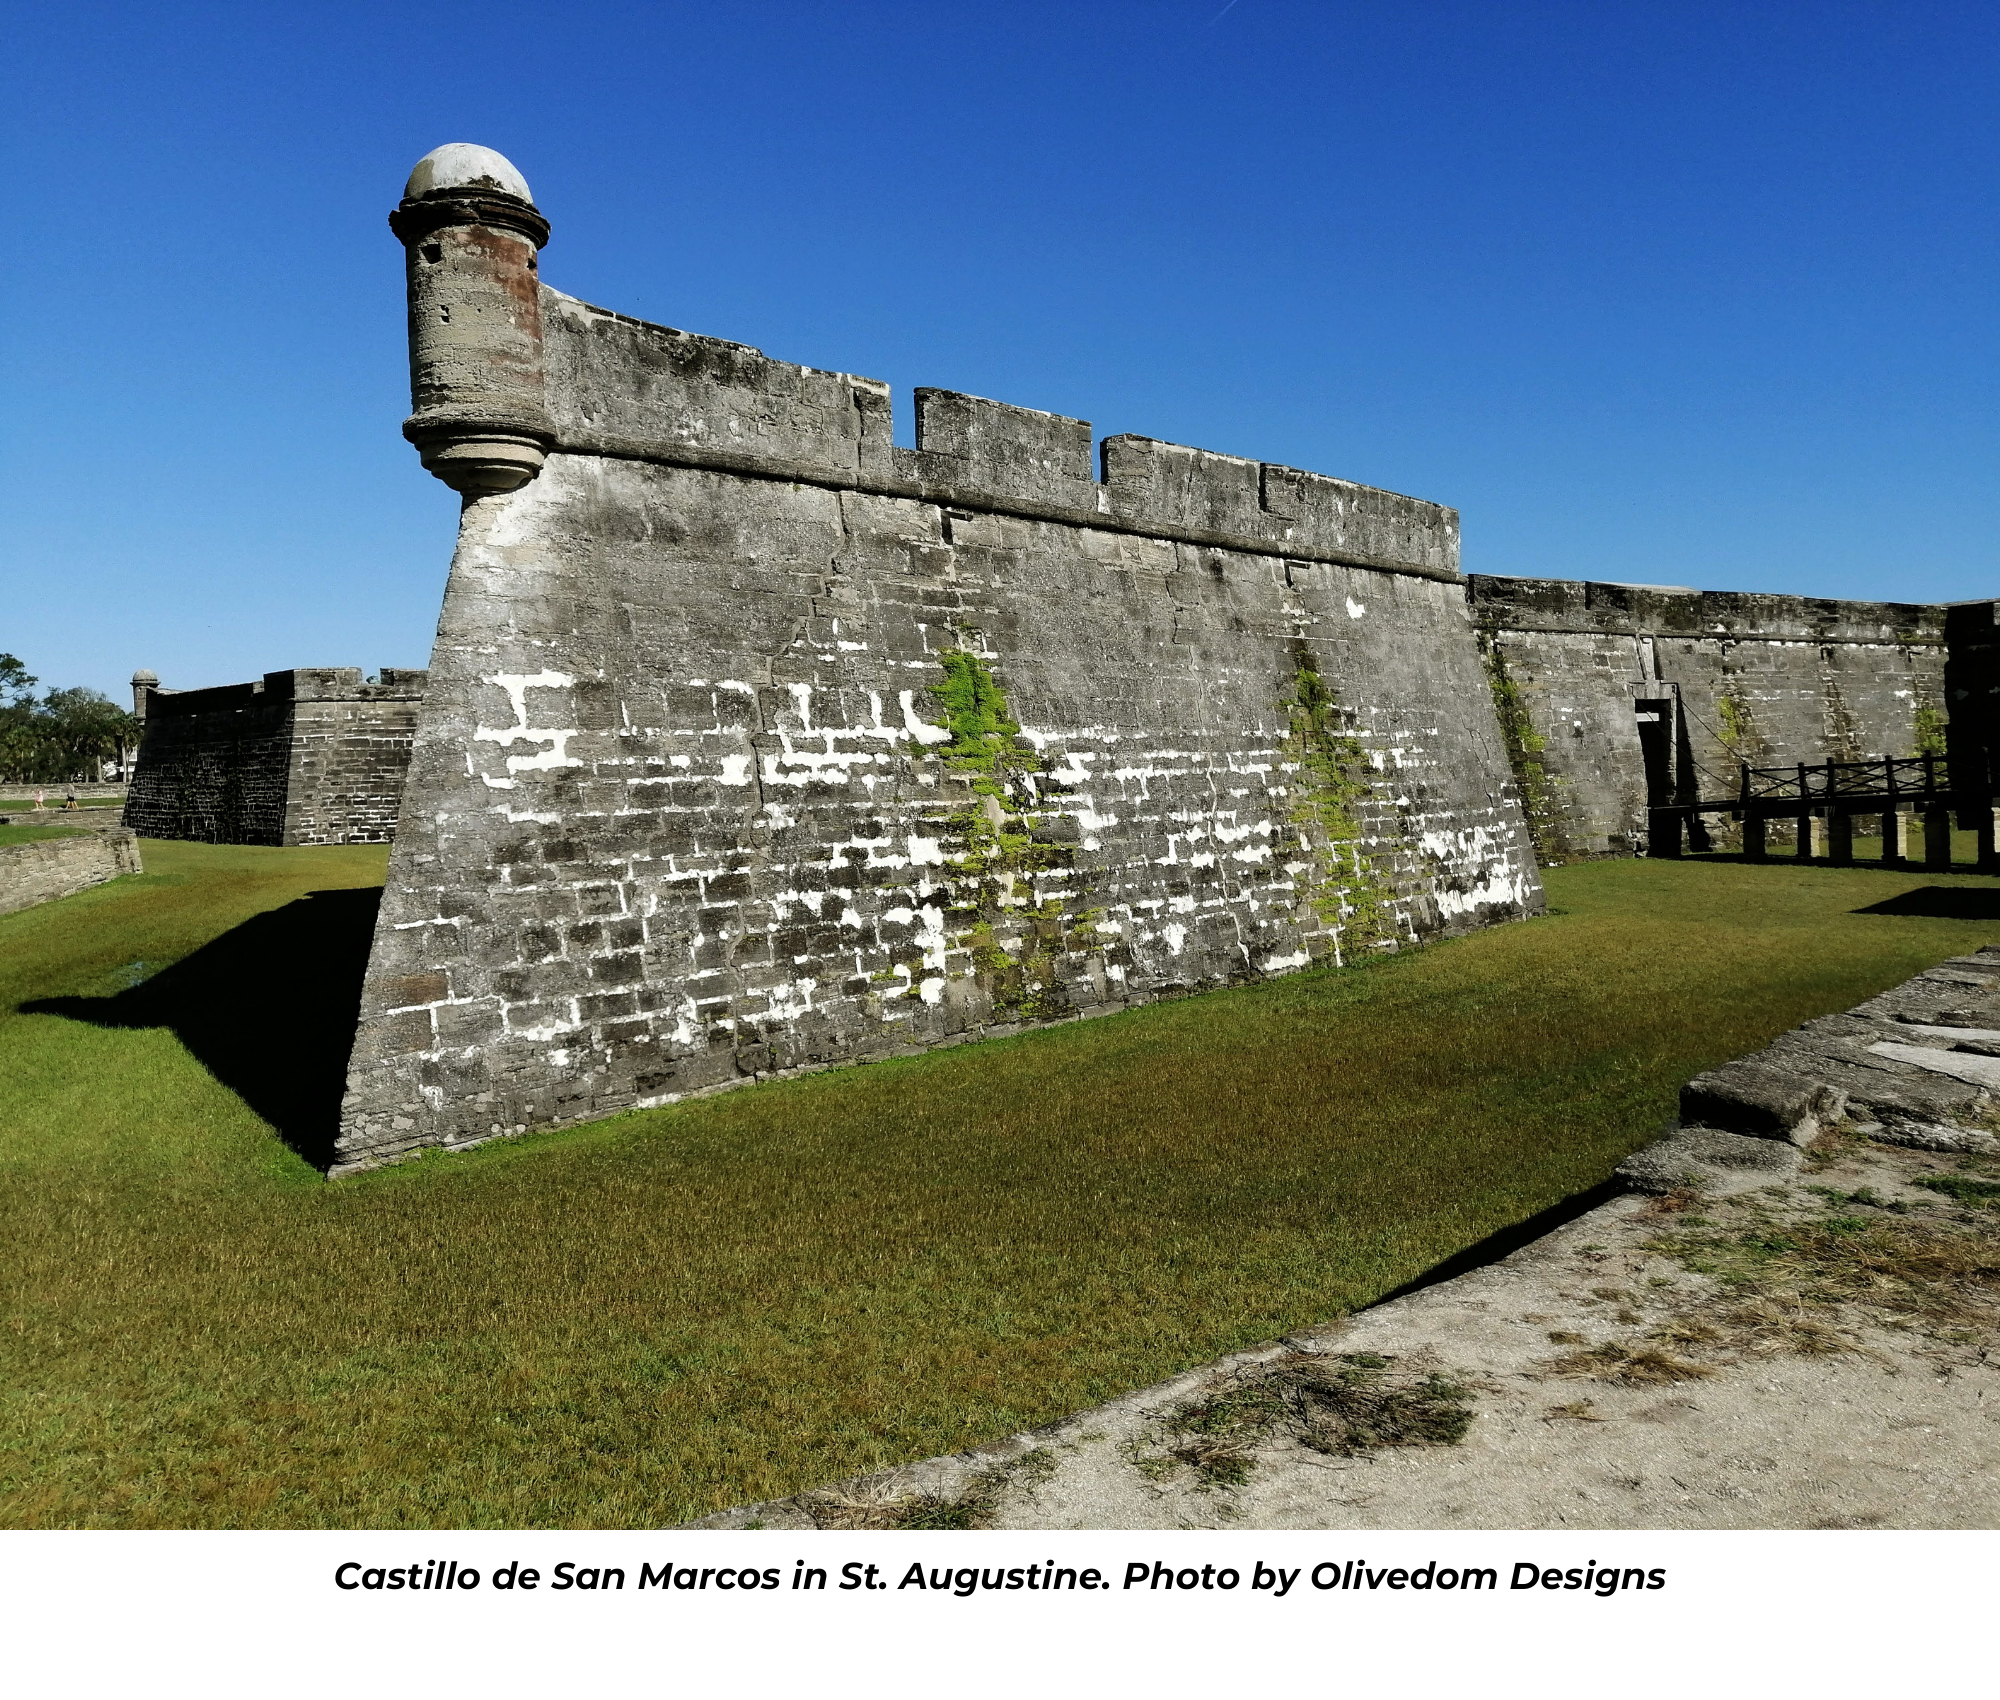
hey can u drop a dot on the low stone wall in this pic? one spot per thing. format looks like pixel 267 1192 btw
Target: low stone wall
pixel 57 867
pixel 81 817
pixel 55 790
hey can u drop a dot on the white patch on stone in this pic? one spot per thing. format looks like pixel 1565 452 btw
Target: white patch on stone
pixel 931 935
pixel 1176 936
pixel 791 1001
pixel 1478 852
pixel 555 739
pixel 921 730
pixel 1279 964
pixel 735 770
pixel 1956 1065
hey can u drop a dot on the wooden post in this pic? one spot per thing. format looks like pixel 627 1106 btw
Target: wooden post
pixel 1754 846
pixel 1937 837
pixel 1986 822
pixel 1840 837
pixel 1663 832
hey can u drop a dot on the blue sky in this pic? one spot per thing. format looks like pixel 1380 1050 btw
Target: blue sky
pixel 1679 293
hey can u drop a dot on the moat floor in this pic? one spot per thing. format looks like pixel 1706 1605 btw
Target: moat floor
pixel 652 1318
pixel 1609 1386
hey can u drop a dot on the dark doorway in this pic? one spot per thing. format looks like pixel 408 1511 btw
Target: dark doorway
pixel 1656 744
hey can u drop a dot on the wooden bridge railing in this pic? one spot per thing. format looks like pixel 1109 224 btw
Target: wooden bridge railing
pixel 1914 795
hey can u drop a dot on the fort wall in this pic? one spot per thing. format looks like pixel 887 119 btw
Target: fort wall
pixel 754 743
pixel 310 756
pixel 1612 696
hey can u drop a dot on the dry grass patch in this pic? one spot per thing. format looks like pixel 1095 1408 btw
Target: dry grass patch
pixel 884 1506
pixel 1628 1366
pixel 1345 1406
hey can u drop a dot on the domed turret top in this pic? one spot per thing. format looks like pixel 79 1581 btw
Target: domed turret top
pixel 145 676
pixel 466 165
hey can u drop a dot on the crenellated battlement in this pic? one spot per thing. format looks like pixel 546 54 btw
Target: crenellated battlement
pixel 621 388
pixel 1654 610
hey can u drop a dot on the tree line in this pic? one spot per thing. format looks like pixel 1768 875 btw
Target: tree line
pixel 60 736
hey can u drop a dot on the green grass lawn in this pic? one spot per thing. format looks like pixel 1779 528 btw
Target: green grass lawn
pixel 28 834
pixel 649 1318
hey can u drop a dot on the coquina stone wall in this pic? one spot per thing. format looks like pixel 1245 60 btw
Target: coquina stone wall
pixel 310 756
pixel 1612 696
pixel 755 743
pixel 47 868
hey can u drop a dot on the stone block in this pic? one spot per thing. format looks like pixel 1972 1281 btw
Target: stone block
pixel 1761 1101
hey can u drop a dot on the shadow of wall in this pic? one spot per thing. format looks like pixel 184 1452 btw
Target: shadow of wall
pixel 268 1009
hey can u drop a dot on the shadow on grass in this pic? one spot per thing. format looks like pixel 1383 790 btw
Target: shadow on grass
pixel 1942 903
pixel 1862 864
pixel 1506 1241
pixel 269 1009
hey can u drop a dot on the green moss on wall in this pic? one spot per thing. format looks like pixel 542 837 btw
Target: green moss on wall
pixel 1342 886
pixel 1540 792
pixel 1015 942
pixel 1927 730
pixel 1737 730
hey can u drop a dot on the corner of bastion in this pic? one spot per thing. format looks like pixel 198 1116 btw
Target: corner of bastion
pixel 753 743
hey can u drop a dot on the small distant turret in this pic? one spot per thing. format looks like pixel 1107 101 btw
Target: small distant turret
pixel 471 232
pixel 144 683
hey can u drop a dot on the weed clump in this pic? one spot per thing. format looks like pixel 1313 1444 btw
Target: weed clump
pixel 1913 1267
pixel 972 1507
pixel 1344 1406
pixel 1644 1366
pixel 1962 1188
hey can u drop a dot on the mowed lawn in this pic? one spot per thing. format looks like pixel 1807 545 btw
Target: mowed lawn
pixel 650 1318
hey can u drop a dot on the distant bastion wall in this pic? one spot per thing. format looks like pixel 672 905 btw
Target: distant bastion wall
pixel 755 743
pixel 310 756
pixel 1615 696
